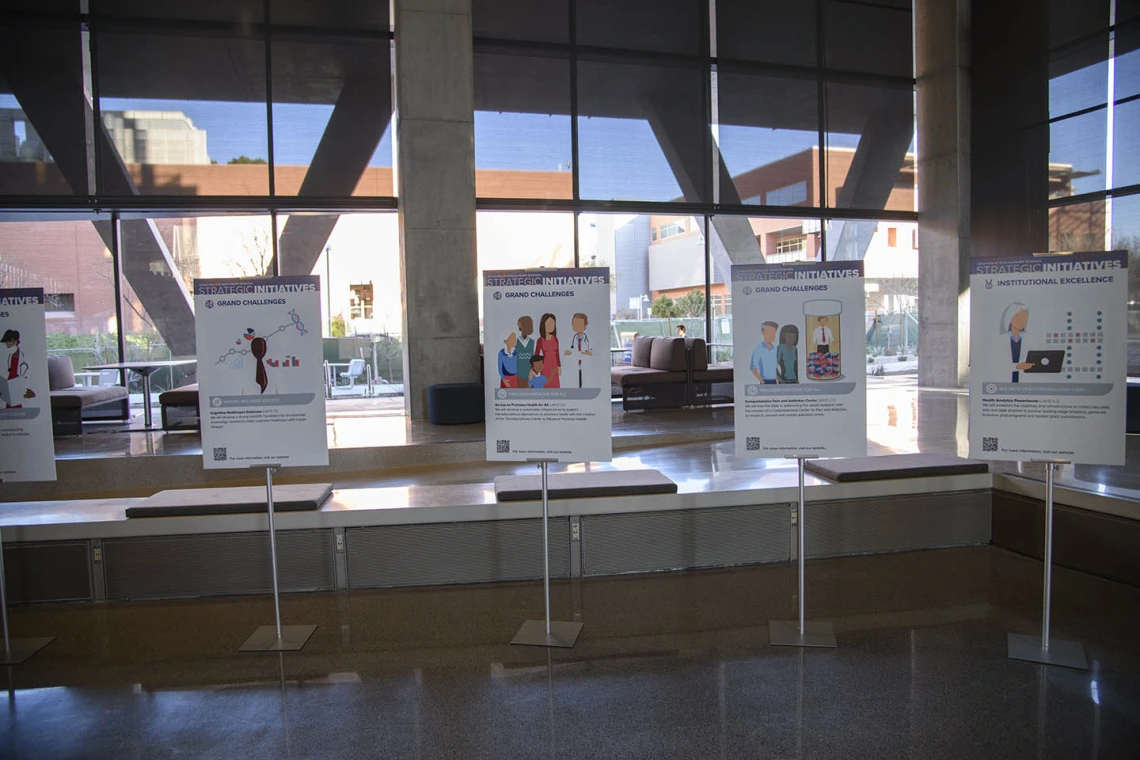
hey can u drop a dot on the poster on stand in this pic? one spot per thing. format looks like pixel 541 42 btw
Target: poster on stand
pixel 798 368
pixel 27 450
pixel 546 368
pixel 1048 357
pixel 260 372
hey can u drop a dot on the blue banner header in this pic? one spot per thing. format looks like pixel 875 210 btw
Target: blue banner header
pixel 828 270
pixel 21 296
pixel 258 285
pixel 1075 263
pixel 508 278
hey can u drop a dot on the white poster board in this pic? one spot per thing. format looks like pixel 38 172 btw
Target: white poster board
pixel 27 450
pixel 546 366
pixel 799 372
pixel 1049 357
pixel 260 372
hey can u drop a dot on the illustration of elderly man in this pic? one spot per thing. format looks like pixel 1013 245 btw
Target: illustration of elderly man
pixel 508 367
pixel 764 356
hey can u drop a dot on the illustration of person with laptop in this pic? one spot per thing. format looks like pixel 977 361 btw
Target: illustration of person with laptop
pixel 1014 320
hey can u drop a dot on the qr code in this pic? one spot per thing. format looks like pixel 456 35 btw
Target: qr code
pixel 752 443
pixel 989 444
pixel 220 454
pixel 502 447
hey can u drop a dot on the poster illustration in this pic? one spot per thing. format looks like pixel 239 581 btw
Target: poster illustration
pixel 260 372
pixel 547 364
pixel 27 450
pixel 798 392
pixel 1048 357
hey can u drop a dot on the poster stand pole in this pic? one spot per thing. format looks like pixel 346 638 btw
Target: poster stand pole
pixel 547 633
pixel 276 638
pixel 1042 649
pixel 15 650
pixel 790 633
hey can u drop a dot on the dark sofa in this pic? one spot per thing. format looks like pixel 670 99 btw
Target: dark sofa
pixel 73 404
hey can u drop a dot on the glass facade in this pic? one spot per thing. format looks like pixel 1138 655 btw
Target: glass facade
pixel 253 137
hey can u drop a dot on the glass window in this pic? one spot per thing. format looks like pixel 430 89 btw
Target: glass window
pixel 357 257
pixel 642 132
pixel 771 153
pixel 1126 144
pixel 1077 227
pixel 221 11
pixel 42 108
pixel 1126 236
pixel 71 261
pixel 524 240
pixel 185 114
pixel 332 117
pixel 1078 79
pixel 883 43
pixel 522 127
pixel 1071 20
pixel 671 26
pixel 1128 60
pixel 891 284
pixel 348 15
pixel 535 20
pixel 870 147
pixel 657 284
pixel 775 31
pixel 1077 149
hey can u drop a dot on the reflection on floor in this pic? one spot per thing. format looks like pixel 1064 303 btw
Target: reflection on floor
pixel 673 665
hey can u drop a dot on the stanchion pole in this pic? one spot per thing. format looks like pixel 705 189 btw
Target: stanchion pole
pixel 547 633
pixel 1043 649
pixel 544 467
pixel 276 638
pixel 786 633
pixel 15 650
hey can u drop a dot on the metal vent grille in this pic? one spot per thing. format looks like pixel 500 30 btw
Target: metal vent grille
pixel 899 523
pixel 649 541
pixel 446 553
pixel 217 564
pixel 51 572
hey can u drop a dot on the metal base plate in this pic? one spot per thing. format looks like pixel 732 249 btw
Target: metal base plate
pixel 21 649
pixel 562 634
pixel 786 633
pixel 1067 654
pixel 264 639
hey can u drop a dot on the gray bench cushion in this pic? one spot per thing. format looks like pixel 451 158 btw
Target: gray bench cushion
pixel 187 395
pixel 893 466
pixel 626 376
pixel 578 485
pixel 717 373
pixel 81 397
pixel 183 502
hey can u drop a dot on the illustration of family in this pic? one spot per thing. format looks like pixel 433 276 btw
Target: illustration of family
pixel 14 374
pixel 527 362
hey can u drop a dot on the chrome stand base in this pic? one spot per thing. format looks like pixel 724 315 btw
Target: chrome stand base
pixel 1067 654
pixel 562 634
pixel 21 649
pixel 786 633
pixel 264 639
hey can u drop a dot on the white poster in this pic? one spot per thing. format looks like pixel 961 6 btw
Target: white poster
pixel 547 364
pixel 799 371
pixel 1049 357
pixel 260 372
pixel 27 450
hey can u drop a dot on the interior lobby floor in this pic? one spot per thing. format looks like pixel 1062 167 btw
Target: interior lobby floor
pixel 670 665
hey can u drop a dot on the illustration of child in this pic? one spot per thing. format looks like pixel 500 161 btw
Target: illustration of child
pixel 536 379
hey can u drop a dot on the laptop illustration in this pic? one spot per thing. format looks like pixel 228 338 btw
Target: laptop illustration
pixel 1045 361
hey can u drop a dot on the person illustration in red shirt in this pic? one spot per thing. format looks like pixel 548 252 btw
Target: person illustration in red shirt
pixel 15 371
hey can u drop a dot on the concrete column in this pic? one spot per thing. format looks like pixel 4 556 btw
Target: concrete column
pixel 435 180
pixel 942 50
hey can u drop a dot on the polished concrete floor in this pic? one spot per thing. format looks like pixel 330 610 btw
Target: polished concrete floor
pixel 674 665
